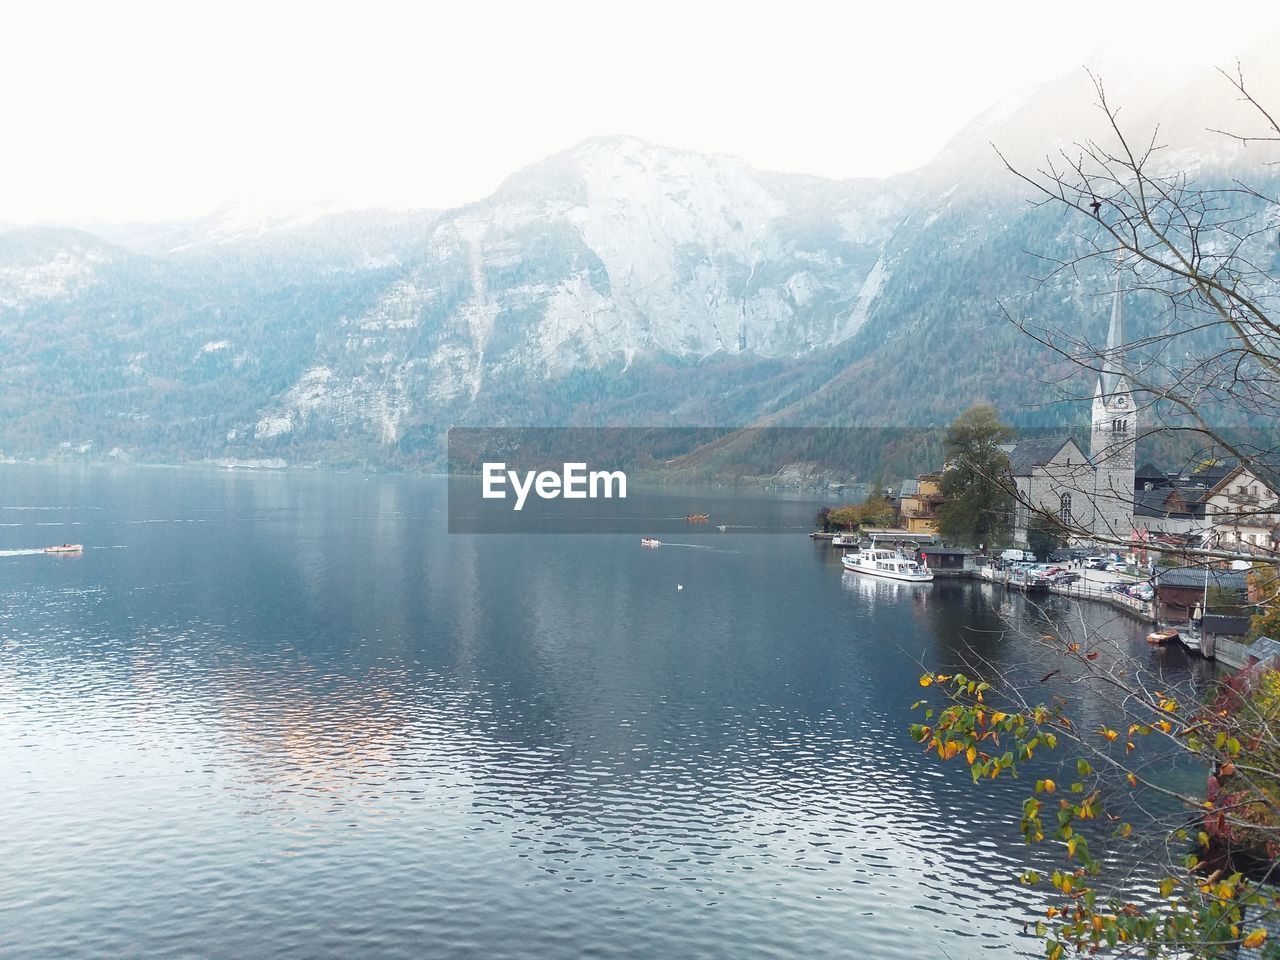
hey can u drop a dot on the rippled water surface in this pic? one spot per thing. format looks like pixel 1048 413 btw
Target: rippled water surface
pixel 281 715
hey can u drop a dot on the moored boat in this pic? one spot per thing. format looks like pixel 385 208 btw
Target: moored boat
pixel 845 540
pixel 65 548
pixel 886 563
pixel 1158 638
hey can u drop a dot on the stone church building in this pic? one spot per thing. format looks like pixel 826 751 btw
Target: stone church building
pixel 1092 490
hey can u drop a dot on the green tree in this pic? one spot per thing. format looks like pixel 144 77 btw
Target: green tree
pixel 979 506
pixel 1044 536
pixel 822 520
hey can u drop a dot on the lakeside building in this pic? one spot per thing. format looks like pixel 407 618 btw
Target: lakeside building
pixel 1179 590
pixel 918 503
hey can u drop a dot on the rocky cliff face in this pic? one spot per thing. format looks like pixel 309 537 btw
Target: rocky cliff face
pixel 611 252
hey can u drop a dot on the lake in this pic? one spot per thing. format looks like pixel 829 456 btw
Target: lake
pixel 284 714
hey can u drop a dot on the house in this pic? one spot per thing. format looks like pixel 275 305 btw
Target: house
pixel 1241 510
pixel 1167 509
pixel 1150 477
pixel 947 561
pixel 1264 652
pixel 919 508
pixel 1223 626
pixel 1222 636
pixel 1179 590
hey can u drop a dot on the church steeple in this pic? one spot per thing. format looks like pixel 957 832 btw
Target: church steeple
pixel 1111 378
pixel 1113 437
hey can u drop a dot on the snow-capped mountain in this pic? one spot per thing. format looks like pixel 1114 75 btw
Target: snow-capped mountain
pixel 616 282
pixel 613 250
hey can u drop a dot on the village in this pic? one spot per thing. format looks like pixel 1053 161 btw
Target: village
pixel 1171 548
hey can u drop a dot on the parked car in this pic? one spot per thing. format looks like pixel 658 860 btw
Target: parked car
pixel 1116 566
pixel 1095 563
pixel 1066 576
pixel 1017 556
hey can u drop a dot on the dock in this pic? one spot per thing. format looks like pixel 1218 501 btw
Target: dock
pixel 1082 589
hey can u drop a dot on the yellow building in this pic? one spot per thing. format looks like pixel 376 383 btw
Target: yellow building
pixel 920 499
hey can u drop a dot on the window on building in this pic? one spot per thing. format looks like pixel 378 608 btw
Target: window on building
pixel 1064 508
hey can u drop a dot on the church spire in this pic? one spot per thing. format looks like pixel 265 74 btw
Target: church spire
pixel 1113 356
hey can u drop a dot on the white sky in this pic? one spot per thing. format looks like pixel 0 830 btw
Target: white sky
pixel 124 111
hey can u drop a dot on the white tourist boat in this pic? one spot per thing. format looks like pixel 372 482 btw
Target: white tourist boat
pixel 845 540
pixel 886 563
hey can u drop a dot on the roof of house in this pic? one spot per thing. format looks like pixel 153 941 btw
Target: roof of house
pixel 1264 472
pixel 1034 452
pixel 1149 471
pixel 1211 473
pixel 1264 648
pixel 1225 624
pixel 1163 502
pixel 1196 577
pixel 908 488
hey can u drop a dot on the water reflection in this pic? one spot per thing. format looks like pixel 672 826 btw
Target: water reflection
pixel 339 730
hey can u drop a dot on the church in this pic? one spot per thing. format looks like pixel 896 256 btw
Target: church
pixel 1093 490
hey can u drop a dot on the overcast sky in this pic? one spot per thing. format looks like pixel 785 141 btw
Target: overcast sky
pixel 119 111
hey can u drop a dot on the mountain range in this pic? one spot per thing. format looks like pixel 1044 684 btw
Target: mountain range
pixel 617 283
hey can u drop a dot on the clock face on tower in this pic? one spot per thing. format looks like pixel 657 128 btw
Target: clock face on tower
pixel 1120 401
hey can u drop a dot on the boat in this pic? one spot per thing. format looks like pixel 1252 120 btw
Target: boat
pixel 889 564
pixel 65 548
pixel 1158 638
pixel 845 540
pixel 698 517
pixel 1191 640
pixel 650 542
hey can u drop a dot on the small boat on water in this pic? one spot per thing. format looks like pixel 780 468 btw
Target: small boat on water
pixel 886 563
pixel 650 542
pixel 1191 640
pixel 65 548
pixel 845 540
pixel 698 517
pixel 1158 638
